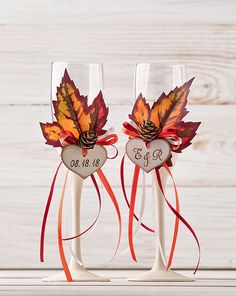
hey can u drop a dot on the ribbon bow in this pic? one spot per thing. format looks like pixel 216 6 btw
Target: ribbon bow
pixel 170 135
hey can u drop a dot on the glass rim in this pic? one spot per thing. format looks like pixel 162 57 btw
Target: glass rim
pixel 166 63
pixel 76 63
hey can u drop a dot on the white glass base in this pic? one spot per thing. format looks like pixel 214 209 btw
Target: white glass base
pixel 81 275
pixel 160 276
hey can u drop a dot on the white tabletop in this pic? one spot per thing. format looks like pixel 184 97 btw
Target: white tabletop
pixel 29 282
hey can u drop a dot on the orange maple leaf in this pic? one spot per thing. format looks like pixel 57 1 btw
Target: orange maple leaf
pixel 167 113
pixel 73 114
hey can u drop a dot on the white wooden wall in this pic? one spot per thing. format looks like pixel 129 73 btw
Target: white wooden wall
pixel 201 34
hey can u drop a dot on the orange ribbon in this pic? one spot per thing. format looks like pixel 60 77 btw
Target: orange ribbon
pixel 67 138
pixel 59 234
pixel 122 179
pixel 171 136
pixel 175 210
pixel 45 216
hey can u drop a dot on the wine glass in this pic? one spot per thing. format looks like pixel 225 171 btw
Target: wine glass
pixel 151 80
pixel 88 77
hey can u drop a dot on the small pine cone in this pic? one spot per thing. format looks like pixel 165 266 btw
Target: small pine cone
pixel 88 139
pixel 148 131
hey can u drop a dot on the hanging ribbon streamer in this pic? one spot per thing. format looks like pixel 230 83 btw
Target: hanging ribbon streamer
pixel 132 214
pixel 179 217
pixel 176 228
pixel 142 207
pixel 59 234
pixel 125 195
pixel 114 201
pixel 45 216
pixel 98 215
pixel 131 211
pixel 67 138
pixel 60 212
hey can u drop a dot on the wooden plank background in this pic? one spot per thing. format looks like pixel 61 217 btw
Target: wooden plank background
pixel 120 34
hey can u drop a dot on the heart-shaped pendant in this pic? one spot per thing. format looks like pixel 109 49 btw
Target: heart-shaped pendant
pixel 83 166
pixel 148 158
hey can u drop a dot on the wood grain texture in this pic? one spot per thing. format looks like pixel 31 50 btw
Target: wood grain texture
pixel 118 33
pixel 209 52
pixel 30 282
pixel 117 12
pixel 27 161
pixel 211 211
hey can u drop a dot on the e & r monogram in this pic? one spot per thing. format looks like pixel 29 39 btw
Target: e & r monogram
pixel 156 154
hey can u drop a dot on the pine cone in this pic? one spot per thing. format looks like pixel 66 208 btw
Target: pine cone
pixel 88 139
pixel 148 131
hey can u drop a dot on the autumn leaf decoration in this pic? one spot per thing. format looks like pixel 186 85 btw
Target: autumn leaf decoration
pixel 75 117
pixel 80 124
pixel 163 118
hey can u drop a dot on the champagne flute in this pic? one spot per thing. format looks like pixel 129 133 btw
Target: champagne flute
pixel 151 79
pixel 89 79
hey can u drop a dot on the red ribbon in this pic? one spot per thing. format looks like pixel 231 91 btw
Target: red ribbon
pixel 67 138
pixel 129 130
pixel 125 195
pixel 131 211
pixel 176 228
pixel 99 211
pixel 131 134
pixel 108 140
pixel 171 136
pixel 177 214
pixel 45 216
pixel 171 133
pixel 132 215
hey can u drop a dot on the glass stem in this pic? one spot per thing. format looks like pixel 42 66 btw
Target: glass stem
pixel 159 214
pixel 76 189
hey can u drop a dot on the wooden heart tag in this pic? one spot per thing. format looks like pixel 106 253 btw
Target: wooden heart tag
pixel 83 166
pixel 148 158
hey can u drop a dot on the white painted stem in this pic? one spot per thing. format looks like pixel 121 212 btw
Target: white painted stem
pixel 159 215
pixel 76 191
